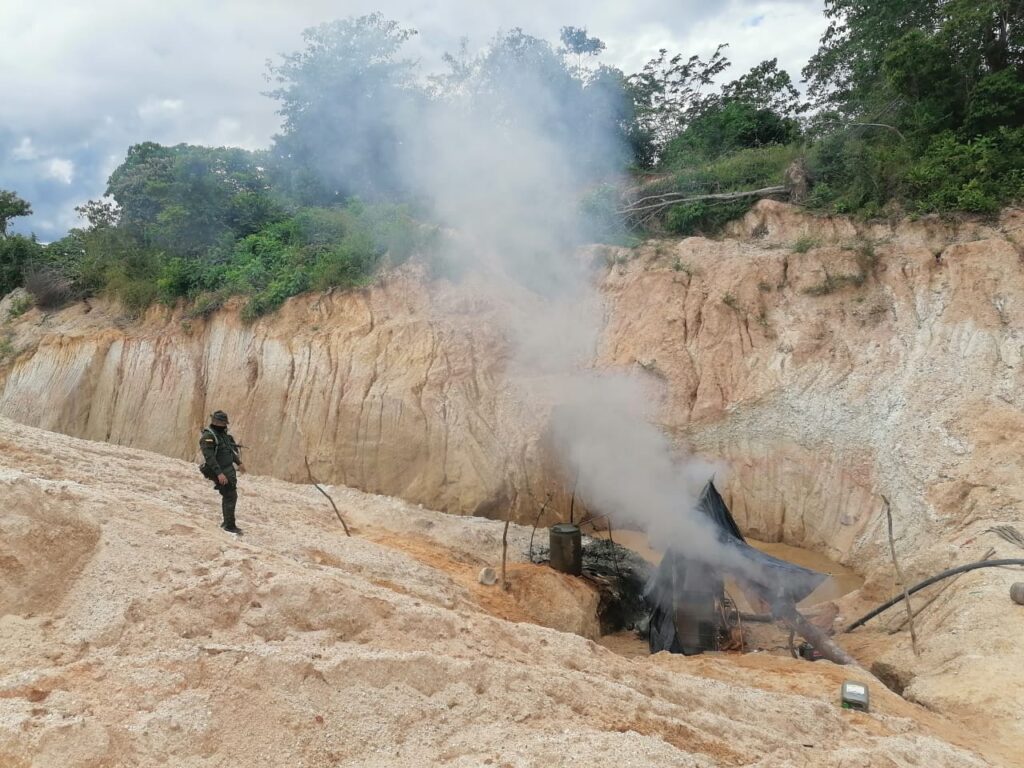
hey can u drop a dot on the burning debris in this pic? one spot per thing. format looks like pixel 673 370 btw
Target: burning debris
pixel 619 574
pixel 682 605
pixel 690 612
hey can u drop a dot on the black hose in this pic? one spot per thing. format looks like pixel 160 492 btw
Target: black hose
pixel 928 582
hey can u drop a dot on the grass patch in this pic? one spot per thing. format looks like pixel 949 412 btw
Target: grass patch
pixel 805 243
pixel 21 305
pixel 7 350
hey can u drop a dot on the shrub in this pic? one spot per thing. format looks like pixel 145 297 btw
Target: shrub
pixel 49 286
pixel 6 348
pixel 16 253
pixel 978 175
pixel 746 169
pixel 804 243
pixel 20 306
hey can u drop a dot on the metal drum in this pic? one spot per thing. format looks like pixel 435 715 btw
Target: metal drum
pixel 566 545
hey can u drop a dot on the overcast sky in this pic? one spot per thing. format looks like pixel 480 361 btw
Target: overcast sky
pixel 82 81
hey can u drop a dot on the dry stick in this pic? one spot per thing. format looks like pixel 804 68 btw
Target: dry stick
pixel 903 583
pixel 675 198
pixel 932 599
pixel 537 521
pixel 335 506
pixel 504 551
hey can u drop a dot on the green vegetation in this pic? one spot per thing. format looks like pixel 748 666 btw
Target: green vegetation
pixel 6 347
pixel 21 305
pixel 913 107
pixel 804 243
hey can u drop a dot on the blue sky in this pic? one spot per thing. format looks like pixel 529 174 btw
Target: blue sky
pixel 81 81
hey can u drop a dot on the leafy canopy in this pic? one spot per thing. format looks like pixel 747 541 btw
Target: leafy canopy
pixel 11 207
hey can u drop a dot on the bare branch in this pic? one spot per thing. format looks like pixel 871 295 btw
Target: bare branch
pixel 903 583
pixel 319 488
pixel 676 198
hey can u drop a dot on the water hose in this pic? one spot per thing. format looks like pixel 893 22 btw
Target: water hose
pixel 928 582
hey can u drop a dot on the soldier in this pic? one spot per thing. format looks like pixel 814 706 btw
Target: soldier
pixel 221 453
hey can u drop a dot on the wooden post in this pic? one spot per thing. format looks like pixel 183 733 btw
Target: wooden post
pixel 903 583
pixel 504 554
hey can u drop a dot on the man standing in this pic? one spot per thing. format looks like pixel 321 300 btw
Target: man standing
pixel 221 454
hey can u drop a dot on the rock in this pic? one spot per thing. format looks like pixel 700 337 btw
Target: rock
pixel 487 577
pixel 1017 592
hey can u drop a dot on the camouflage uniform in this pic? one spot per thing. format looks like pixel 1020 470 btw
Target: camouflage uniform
pixel 221 454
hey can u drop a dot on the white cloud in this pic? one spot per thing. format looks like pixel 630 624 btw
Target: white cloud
pixel 60 169
pixel 25 150
pixel 84 81
pixel 156 109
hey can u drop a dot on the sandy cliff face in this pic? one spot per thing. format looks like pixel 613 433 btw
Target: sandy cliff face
pixel 826 363
pixel 396 389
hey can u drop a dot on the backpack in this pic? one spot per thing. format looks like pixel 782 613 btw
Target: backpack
pixel 204 468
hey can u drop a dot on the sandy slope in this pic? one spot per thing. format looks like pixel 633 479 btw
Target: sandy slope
pixel 134 632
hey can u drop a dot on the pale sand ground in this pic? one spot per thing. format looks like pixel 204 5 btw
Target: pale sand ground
pixel 134 632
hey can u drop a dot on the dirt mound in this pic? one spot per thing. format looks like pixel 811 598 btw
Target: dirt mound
pixel 172 643
pixel 43 546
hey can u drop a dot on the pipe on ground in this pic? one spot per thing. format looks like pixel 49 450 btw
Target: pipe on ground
pixel 928 582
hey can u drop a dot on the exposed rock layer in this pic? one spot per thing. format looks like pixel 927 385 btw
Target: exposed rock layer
pixel 827 363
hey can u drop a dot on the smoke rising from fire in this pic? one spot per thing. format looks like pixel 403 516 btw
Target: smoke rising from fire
pixel 502 158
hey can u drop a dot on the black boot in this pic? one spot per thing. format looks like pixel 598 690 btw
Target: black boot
pixel 229 496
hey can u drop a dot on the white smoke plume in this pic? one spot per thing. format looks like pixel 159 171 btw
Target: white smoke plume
pixel 510 186
pixel 500 150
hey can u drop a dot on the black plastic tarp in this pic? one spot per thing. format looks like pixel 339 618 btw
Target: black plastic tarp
pixel 773 578
pixel 770 578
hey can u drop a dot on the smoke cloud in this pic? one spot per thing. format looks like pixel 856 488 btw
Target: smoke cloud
pixel 504 171
pixel 501 154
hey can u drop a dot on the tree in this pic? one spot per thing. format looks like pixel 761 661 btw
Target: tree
pixel 766 87
pixel 576 43
pixel 11 207
pixel 184 199
pixel 16 253
pixel 99 213
pixel 915 64
pixel 345 99
pixel 669 93
pixel 522 83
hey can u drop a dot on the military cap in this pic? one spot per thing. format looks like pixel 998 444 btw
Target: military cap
pixel 219 416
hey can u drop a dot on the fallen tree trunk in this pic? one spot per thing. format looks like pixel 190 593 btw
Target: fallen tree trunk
pixel 653 203
pixel 821 642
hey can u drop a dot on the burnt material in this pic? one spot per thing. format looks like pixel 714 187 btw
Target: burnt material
pixel 620 575
pixel 686 593
pixel 566 548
